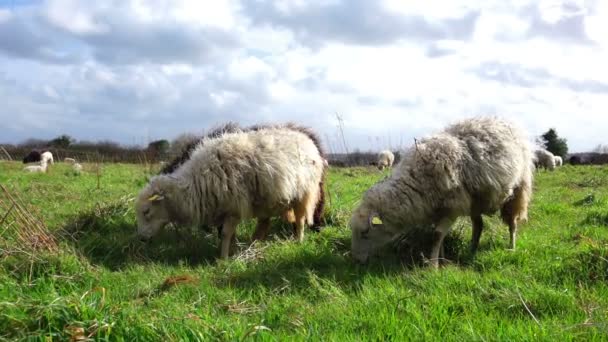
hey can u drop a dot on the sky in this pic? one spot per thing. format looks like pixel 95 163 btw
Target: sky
pixel 133 71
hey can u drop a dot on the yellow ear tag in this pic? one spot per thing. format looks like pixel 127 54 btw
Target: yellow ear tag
pixel 376 220
pixel 154 197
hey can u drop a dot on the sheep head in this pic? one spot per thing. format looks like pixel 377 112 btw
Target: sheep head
pixel 369 233
pixel 152 207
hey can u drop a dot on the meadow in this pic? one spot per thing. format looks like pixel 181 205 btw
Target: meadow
pixel 102 283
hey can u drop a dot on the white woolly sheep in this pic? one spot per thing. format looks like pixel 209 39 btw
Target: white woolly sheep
pixel 256 174
pixel 37 168
pixel 545 159
pixel 559 161
pixel 473 167
pixel 189 142
pixel 46 157
pixel 77 167
pixel 69 160
pixel 385 159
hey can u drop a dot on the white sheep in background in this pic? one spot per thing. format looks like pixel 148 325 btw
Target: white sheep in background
pixel 474 167
pixel 559 161
pixel 255 174
pixel 385 159
pixel 77 167
pixel 69 160
pixel 46 157
pixel 545 159
pixel 37 168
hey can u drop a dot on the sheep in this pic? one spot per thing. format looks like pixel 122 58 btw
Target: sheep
pixel 385 159
pixel 558 161
pixel 37 168
pixel 473 167
pixel 69 160
pixel 545 159
pixel 255 174
pixel 47 157
pixel 77 167
pixel 187 143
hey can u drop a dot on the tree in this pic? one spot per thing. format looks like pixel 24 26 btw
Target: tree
pixel 62 141
pixel 159 146
pixel 553 143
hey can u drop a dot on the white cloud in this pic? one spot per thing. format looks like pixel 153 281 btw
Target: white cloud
pixel 5 15
pixel 75 16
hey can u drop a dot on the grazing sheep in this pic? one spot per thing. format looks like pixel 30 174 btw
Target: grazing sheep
pixel 256 174
pixel 69 160
pixel 189 142
pixel 47 157
pixel 545 159
pixel 77 167
pixel 37 168
pixel 559 161
pixel 473 167
pixel 385 159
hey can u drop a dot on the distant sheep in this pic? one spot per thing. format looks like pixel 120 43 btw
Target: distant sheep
pixel 188 143
pixel 47 157
pixel 558 161
pixel 474 167
pixel 544 159
pixel 69 160
pixel 77 167
pixel 385 159
pixel 36 168
pixel 257 174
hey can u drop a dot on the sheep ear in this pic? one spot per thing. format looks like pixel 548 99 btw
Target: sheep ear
pixel 156 198
pixel 374 220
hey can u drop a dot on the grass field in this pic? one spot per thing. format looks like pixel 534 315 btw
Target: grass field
pixel 104 284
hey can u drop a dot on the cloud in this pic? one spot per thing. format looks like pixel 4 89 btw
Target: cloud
pixel 535 77
pixel 355 22
pixel 116 32
pixel 22 37
pixel 561 20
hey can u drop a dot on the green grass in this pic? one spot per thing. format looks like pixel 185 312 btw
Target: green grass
pixel 107 285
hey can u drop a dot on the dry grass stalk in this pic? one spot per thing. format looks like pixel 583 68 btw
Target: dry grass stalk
pixel 177 280
pixel 252 253
pixel 6 153
pixel 21 230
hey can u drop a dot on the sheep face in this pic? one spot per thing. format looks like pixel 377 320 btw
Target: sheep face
pixel 369 234
pixel 152 213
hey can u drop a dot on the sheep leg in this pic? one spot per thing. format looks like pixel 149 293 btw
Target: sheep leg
pixel 303 211
pixel 261 230
pixel 299 232
pixel 513 233
pixel 300 213
pixel 477 221
pixel 228 233
pixel 442 229
pixel 508 213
